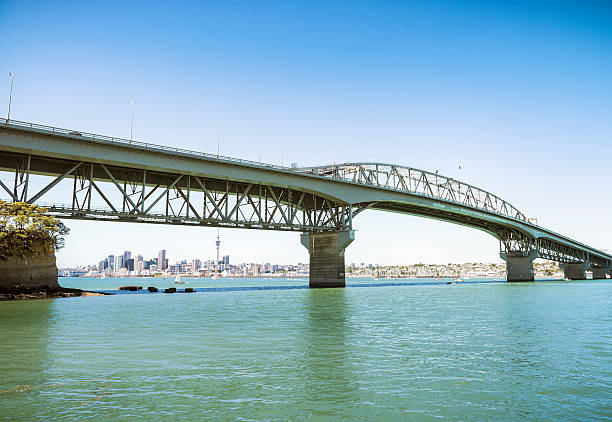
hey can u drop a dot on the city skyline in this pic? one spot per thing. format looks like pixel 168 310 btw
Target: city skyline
pixel 497 95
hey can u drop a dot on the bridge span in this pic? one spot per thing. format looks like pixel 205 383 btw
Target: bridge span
pixel 95 177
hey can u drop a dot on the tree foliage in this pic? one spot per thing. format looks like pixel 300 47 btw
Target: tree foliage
pixel 26 230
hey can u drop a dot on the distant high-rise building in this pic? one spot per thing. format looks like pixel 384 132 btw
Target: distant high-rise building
pixel 126 257
pixel 139 258
pixel 111 262
pixel 161 260
pixel 196 264
pixel 129 264
pixel 118 263
pixel 226 260
pixel 218 243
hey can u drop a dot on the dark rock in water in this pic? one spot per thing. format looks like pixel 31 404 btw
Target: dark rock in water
pixel 43 293
pixel 130 288
pixel 152 289
pixel 170 290
pixel 189 290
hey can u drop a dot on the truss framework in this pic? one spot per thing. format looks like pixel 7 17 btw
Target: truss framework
pixel 418 182
pixel 109 193
pixel 515 242
pixel 102 192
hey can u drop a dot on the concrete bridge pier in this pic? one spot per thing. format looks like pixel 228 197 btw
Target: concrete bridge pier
pixel 519 265
pixel 575 271
pixel 600 273
pixel 326 251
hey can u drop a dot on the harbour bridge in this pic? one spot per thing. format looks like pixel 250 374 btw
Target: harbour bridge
pixel 95 177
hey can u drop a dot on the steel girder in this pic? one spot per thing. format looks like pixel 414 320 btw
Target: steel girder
pixel 101 192
pixel 418 182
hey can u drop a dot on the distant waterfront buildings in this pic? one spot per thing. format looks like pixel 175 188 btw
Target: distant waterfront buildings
pixel 197 267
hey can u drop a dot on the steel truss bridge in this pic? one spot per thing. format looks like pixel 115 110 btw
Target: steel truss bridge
pixel 79 175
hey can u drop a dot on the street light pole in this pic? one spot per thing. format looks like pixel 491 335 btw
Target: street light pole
pixel 216 122
pixel 280 139
pixel 131 104
pixel 8 116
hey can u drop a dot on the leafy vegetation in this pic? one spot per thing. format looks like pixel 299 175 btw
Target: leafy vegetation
pixel 26 230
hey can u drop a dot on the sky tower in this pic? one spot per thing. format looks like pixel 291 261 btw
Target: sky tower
pixel 218 242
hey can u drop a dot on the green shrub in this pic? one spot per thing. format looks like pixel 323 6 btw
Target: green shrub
pixel 26 230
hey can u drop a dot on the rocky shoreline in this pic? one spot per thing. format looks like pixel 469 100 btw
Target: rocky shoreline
pixel 43 293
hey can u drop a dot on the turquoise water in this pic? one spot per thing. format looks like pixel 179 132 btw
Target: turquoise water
pixel 275 350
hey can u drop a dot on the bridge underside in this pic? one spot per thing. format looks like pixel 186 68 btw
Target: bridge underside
pixel 93 191
pixel 517 248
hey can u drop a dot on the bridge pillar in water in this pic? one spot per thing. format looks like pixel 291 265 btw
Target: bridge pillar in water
pixel 326 251
pixel 600 273
pixel 519 266
pixel 575 271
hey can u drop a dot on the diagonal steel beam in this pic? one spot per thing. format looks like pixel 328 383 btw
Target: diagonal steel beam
pixel 8 191
pixel 103 196
pixel 239 201
pixel 178 179
pixel 186 199
pixel 53 183
pixel 278 205
pixel 297 207
pixel 208 195
pixel 125 195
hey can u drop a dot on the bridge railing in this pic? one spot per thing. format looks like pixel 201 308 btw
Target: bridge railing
pixel 418 182
pixel 136 144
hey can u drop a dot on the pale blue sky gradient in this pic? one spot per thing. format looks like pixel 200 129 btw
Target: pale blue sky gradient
pixel 517 93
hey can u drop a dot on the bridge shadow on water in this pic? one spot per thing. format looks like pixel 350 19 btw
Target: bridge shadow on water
pixel 301 287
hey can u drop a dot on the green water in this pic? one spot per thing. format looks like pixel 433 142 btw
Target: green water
pixel 475 351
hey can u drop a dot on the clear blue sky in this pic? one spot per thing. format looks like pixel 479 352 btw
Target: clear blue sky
pixel 517 93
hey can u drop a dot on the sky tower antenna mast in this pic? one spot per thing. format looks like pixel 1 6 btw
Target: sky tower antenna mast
pixel 218 242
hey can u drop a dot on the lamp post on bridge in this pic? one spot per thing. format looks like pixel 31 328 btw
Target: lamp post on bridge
pixel 131 104
pixel 8 115
pixel 216 123
pixel 280 140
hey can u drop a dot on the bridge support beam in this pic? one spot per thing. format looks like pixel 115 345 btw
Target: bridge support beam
pixel 326 251
pixel 519 267
pixel 575 271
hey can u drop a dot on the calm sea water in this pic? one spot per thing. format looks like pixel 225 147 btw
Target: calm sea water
pixel 276 350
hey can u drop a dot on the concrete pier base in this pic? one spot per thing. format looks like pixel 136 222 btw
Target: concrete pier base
pixel 326 251
pixel 575 271
pixel 519 267
pixel 600 273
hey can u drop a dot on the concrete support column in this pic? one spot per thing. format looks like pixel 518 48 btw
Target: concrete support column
pixel 326 251
pixel 519 266
pixel 575 271
pixel 600 273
